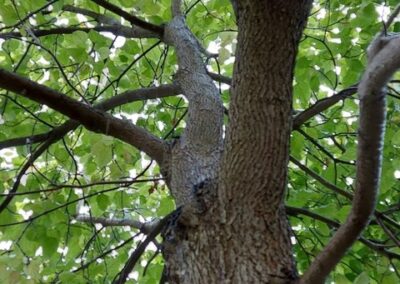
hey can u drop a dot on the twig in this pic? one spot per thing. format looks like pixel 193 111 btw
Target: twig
pixel 144 227
pixel 130 264
pixel 130 18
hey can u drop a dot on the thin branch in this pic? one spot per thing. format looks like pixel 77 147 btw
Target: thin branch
pixel 294 211
pixel 102 255
pixel 322 105
pixel 191 7
pixel 149 93
pixel 384 60
pixel 93 119
pixel 390 20
pixel 176 8
pixel 332 58
pixel 55 135
pixel 27 140
pixel 62 71
pixel 322 149
pixel 340 191
pixel 118 30
pixel 321 180
pixel 27 110
pixel 100 18
pixel 121 183
pixel 317 108
pixel 130 18
pixel 144 227
pixel 220 78
pixel 130 264
pixel 30 14
pixel 31 219
pixel 388 231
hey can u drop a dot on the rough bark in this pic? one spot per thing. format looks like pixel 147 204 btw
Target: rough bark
pixel 235 230
pixel 196 154
pixel 195 158
pixel 257 245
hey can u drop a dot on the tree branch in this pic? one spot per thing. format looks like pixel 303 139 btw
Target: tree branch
pixel 93 119
pixel 220 78
pixel 26 140
pixel 130 18
pixel 384 60
pixel 144 228
pixel 294 211
pixel 149 93
pixel 100 18
pixel 56 187
pixel 130 264
pixel 118 100
pixel 318 107
pixel 176 8
pixel 118 30
pixel 388 232
pixel 390 20
pixel 340 191
pixel 55 135
pixel 322 105
pixel 102 255
pixel 200 145
pixel 30 14
pixel 321 180
pixel 31 219
pixel 59 132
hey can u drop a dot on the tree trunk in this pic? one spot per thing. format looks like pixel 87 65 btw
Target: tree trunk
pixel 233 228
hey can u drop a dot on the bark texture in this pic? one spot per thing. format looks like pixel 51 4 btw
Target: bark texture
pixel 254 172
pixel 233 227
pixel 190 240
pixel 197 152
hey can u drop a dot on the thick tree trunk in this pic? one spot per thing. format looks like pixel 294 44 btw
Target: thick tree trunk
pixel 233 228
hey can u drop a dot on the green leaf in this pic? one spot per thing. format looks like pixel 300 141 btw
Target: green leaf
pixel 389 279
pixel 78 54
pixel 79 39
pixel 167 205
pixel 66 277
pixel 102 153
pixel 104 52
pixel 8 15
pixel 396 27
pixel 50 246
pixel 103 201
pixel 33 269
pixel 362 279
pixel 314 83
pixel 396 138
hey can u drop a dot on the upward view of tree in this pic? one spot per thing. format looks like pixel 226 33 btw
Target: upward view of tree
pixel 199 141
